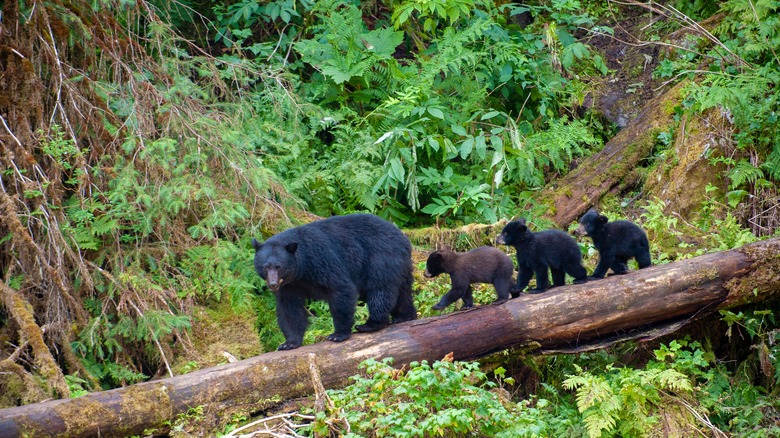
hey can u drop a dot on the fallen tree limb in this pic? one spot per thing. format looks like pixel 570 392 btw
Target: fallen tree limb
pixel 562 318
pixel 612 168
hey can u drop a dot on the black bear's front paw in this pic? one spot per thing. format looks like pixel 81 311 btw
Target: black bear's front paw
pixel 581 281
pixel 439 306
pixel 370 327
pixel 403 319
pixel 515 291
pixel 536 291
pixel 338 337
pixel 591 278
pixel 289 345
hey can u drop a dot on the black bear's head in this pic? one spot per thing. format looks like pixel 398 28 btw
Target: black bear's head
pixel 513 233
pixel 591 224
pixel 437 263
pixel 275 262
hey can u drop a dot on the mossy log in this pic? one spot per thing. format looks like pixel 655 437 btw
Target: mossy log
pixel 567 317
pixel 614 167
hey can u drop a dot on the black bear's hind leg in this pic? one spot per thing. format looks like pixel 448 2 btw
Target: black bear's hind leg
pixel 404 309
pixel 542 282
pixel 379 307
pixel 619 267
pixel 468 298
pixel 643 259
pixel 559 277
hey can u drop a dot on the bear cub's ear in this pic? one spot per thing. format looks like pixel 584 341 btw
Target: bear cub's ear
pixel 291 247
pixel 520 226
pixel 256 244
pixel 602 219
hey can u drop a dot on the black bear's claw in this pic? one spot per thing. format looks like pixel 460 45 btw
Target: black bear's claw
pixel 289 346
pixel 338 337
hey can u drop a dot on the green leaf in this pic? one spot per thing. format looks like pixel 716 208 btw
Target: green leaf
pixel 457 129
pixel 338 75
pixel 383 41
pixel 436 112
pixel 397 169
pixel 489 115
pixel 481 146
pixel 466 147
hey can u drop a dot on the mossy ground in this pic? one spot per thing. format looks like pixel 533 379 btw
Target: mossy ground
pixel 218 333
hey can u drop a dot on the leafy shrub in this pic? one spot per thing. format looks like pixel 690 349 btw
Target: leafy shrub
pixel 445 398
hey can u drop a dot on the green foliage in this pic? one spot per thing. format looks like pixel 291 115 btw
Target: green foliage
pixel 621 402
pixel 375 125
pixel 740 77
pixel 443 398
pixel 345 52
pixel 76 385
pixel 763 331
pixel 433 12
pixel 716 228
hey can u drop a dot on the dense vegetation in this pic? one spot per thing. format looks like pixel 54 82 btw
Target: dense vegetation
pixel 145 143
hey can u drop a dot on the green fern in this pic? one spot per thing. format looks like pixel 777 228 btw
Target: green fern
pixel 622 401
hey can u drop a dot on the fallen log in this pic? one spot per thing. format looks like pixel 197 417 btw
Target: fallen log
pixel 563 318
pixel 612 168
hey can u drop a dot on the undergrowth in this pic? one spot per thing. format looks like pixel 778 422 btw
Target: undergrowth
pixel 682 388
pixel 146 143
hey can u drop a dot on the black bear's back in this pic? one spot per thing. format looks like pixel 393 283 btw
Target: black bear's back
pixel 627 232
pixel 556 248
pixel 483 264
pixel 364 247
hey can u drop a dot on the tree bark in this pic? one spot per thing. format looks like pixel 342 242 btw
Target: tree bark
pixel 567 317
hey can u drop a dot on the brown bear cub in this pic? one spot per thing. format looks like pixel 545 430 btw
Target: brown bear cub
pixel 485 264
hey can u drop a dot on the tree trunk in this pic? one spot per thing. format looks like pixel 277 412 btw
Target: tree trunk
pixel 614 167
pixel 563 318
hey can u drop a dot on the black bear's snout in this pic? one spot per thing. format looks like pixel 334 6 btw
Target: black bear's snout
pixel 581 231
pixel 272 278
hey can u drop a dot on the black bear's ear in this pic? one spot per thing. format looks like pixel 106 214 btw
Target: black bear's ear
pixel 602 219
pixel 521 221
pixel 521 228
pixel 256 244
pixel 291 247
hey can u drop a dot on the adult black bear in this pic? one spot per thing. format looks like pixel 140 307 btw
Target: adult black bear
pixel 616 241
pixel 340 260
pixel 537 252
pixel 485 264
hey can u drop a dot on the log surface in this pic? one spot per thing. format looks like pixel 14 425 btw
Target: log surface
pixel 564 317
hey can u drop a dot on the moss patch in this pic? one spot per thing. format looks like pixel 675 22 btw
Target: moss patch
pixel 460 239
pixel 219 332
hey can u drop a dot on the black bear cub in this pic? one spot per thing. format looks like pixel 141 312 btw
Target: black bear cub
pixel 537 252
pixel 341 260
pixel 485 264
pixel 616 241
